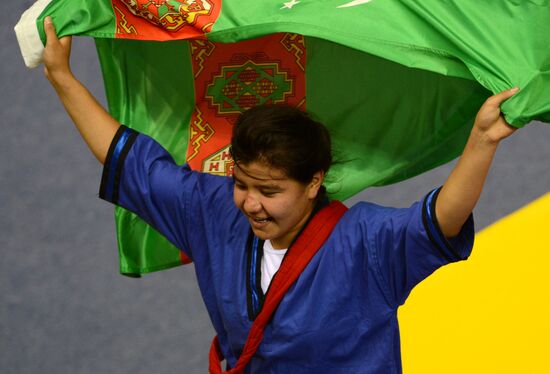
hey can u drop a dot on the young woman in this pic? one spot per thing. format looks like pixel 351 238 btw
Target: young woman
pixel 339 315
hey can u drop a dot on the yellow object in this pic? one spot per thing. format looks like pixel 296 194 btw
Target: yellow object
pixel 490 314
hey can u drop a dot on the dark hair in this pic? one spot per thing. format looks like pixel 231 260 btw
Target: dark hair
pixel 285 138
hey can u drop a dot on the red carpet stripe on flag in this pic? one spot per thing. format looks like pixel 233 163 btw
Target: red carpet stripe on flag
pixel 231 78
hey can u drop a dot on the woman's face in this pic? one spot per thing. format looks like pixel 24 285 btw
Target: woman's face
pixel 276 206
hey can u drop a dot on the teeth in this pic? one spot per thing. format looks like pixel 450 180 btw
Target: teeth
pixel 262 220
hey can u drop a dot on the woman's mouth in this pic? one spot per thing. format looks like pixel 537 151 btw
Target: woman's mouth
pixel 260 222
pixel 267 219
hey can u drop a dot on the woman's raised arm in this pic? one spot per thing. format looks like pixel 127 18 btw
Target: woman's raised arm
pixel 93 122
pixel 462 189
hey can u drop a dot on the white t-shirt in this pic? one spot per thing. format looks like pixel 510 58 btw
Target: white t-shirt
pixel 271 261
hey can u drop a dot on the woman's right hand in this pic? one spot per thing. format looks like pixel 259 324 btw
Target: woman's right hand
pixel 57 54
pixel 96 126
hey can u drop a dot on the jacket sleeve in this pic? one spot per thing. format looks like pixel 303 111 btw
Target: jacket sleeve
pixel 141 176
pixel 406 245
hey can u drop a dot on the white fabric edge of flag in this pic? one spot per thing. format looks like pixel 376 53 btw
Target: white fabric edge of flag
pixel 27 34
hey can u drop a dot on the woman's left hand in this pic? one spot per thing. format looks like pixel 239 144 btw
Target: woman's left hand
pixel 490 123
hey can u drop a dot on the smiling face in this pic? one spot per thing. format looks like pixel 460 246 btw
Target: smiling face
pixel 277 207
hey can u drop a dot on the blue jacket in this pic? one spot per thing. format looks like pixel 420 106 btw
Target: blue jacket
pixel 341 314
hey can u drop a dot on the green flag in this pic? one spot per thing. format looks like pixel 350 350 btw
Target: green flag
pixel 398 83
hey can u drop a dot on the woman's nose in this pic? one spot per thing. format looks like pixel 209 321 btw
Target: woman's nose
pixel 252 203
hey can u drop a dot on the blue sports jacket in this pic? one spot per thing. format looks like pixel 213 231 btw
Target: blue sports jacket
pixel 341 314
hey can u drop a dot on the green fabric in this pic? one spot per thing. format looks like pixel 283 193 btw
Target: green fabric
pixel 83 17
pixel 379 123
pixel 149 87
pixel 398 83
pixel 500 44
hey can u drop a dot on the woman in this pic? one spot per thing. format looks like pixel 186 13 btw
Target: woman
pixel 339 314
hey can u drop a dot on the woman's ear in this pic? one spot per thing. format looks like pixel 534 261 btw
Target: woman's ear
pixel 315 184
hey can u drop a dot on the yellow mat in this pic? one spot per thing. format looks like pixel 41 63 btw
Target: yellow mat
pixel 490 314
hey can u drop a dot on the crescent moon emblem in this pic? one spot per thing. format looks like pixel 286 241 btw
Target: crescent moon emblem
pixel 354 3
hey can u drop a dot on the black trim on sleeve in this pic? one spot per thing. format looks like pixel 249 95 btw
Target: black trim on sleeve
pixel 105 174
pixel 120 163
pixel 114 162
pixel 435 234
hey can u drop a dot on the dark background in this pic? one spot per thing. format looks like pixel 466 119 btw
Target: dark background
pixel 63 306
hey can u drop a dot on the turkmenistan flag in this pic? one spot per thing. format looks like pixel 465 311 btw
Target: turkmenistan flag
pixel 398 83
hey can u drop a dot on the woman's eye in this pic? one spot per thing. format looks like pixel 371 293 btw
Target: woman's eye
pixel 240 186
pixel 269 193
